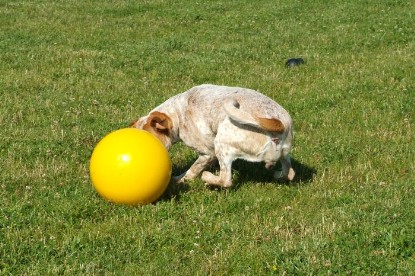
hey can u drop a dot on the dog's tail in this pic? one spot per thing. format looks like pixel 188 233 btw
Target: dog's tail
pixel 232 109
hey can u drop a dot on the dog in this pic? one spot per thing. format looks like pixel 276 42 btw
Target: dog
pixel 223 124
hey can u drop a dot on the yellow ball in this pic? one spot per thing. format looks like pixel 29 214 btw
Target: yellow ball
pixel 130 166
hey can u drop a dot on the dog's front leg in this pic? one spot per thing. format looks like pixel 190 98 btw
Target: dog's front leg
pixel 196 169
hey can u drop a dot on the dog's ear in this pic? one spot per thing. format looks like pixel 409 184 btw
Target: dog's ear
pixel 159 122
pixel 160 125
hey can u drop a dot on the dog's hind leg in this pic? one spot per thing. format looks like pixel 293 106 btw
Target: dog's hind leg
pixel 225 176
pixel 203 162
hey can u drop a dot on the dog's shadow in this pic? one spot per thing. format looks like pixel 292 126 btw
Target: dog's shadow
pixel 247 172
pixel 244 172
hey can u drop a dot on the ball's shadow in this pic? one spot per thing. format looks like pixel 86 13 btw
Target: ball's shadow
pixel 243 173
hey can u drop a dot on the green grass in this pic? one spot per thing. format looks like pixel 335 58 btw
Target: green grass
pixel 72 71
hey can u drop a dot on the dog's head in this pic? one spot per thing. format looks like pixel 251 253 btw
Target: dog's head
pixel 158 124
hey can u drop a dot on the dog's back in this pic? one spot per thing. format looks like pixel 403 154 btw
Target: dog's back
pixel 211 105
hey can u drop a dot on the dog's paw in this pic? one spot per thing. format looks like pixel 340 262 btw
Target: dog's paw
pixel 214 181
pixel 291 174
pixel 278 175
pixel 208 177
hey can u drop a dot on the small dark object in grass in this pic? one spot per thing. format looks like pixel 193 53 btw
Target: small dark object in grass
pixel 294 62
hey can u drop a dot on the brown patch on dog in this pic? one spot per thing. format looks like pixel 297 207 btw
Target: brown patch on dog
pixel 160 125
pixel 160 122
pixel 272 125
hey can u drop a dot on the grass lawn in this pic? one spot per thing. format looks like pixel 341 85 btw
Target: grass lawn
pixel 73 71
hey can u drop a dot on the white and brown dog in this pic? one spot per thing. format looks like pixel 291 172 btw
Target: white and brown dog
pixel 224 123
